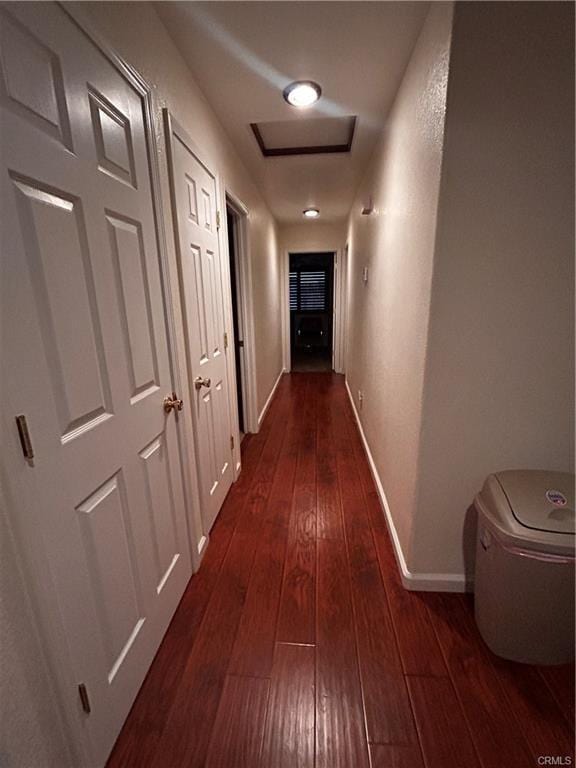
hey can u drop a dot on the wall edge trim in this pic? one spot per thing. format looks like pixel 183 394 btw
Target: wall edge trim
pixel 425 582
pixel 269 398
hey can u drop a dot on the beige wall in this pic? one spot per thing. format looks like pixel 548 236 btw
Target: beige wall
pixel 312 236
pixel 500 372
pixel 388 316
pixel 136 32
pixel 31 728
pixel 463 339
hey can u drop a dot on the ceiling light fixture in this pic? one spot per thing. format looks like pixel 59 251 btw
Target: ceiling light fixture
pixel 311 213
pixel 302 93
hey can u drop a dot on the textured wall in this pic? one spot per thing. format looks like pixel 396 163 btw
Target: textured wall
pixel 388 316
pixel 463 339
pixel 500 373
pixel 31 732
pixel 312 236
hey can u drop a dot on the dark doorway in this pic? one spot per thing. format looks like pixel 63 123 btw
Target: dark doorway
pixel 311 311
pixel 232 222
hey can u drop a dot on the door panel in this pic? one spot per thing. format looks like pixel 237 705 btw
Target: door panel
pixel 127 247
pixel 86 356
pixel 32 80
pixel 112 139
pixel 156 463
pixel 55 244
pixel 107 541
pixel 202 290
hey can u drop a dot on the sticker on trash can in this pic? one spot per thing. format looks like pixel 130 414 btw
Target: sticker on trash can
pixel 556 498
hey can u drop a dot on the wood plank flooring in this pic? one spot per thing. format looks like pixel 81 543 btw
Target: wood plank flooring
pixel 295 645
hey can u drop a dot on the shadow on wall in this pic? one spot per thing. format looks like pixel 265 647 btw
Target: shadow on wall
pixel 469 534
pixel 30 729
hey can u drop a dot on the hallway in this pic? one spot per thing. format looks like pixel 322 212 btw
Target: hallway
pixel 268 268
pixel 296 645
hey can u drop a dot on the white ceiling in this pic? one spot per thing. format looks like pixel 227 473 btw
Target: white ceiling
pixel 242 55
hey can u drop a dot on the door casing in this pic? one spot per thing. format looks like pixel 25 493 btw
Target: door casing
pixel 339 306
pixel 244 279
pixel 172 125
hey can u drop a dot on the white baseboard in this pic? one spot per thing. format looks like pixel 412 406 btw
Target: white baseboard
pixel 424 582
pixel 270 396
pixel 202 546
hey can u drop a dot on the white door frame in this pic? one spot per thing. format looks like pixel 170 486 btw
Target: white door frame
pixel 340 309
pixel 30 553
pixel 171 124
pixel 246 305
pixel 338 305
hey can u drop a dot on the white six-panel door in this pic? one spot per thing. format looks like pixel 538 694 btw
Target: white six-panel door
pixel 85 356
pixel 202 291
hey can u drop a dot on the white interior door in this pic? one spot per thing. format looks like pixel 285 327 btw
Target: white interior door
pixel 202 290
pixel 85 356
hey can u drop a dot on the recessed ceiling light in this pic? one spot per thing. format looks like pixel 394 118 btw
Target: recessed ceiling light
pixel 311 213
pixel 302 93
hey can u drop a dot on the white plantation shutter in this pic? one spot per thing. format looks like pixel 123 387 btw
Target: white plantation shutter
pixel 313 291
pixel 293 291
pixel 309 291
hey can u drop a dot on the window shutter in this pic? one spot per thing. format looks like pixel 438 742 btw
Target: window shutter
pixel 293 291
pixel 312 291
pixel 308 291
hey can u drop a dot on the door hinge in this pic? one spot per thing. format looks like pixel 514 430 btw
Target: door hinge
pixel 24 435
pixel 217 219
pixel 225 340
pixel 84 698
pixel 231 442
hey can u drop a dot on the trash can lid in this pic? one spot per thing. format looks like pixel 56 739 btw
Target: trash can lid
pixel 540 500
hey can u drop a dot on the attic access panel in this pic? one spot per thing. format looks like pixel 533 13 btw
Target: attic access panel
pixel 311 136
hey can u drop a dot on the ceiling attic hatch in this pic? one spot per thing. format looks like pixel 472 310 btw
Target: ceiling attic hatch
pixel 305 136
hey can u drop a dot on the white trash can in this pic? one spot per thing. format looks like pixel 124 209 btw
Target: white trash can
pixel 524 587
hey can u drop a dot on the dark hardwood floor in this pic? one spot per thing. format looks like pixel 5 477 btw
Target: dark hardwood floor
pixel 296 645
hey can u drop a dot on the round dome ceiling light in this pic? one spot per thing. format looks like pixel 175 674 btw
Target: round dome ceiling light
pixel 302 93
pixel 311 213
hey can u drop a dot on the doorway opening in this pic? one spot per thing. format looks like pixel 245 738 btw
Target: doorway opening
pixel 311 302
pixel 236 287
pixel 241 353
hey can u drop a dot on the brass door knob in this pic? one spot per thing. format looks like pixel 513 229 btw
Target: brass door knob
pixel 199 382
pixel 173 402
